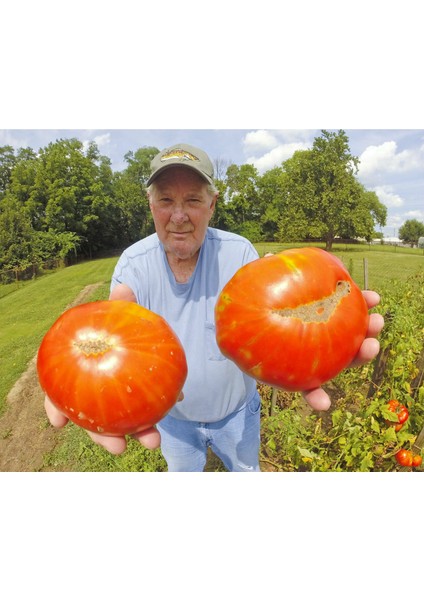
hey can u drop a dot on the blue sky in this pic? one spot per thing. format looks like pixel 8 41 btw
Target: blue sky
pixel 391 160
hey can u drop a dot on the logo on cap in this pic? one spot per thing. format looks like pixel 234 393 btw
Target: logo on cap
pixel 178 154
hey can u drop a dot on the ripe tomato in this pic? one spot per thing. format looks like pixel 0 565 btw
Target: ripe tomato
pixel 293 320
pixel 416 460
pixel 112 367
pixel 404 458
pixel 403 414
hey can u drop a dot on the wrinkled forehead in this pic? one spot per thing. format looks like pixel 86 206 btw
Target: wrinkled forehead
pixel 179 176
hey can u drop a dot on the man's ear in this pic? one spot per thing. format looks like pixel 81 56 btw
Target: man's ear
pixel 214 201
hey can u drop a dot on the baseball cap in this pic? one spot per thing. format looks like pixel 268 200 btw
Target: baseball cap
pixel 182 155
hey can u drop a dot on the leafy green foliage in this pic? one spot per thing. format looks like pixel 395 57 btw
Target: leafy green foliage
pixel 66 200
pixel 68 191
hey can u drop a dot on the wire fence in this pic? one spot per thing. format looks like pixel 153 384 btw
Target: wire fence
pixel 30 271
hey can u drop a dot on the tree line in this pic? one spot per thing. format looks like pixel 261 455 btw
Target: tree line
pixel 65 200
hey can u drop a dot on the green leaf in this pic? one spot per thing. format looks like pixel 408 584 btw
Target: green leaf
pixel 403 436
pixel 375 425
pixel 389 415
pixel 367 462
pixel 390 435
pixel 336 416
pixel 306 453
pixel 271 444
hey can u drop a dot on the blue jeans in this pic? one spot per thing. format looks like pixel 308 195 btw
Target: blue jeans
pixel 235 440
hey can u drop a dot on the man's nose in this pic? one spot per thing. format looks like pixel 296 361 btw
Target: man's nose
pixel 179 215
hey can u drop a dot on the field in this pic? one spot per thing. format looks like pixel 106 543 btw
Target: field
pixel 27 311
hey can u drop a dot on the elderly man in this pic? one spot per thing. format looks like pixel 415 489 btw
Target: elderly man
pixel 178 272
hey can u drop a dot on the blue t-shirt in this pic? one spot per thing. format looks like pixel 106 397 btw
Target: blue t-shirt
pixel 215 386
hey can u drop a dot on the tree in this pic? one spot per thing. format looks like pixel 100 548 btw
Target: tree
pixel 65 189
pixel 242 201
pixel 411 231
pixel 16 236
pixel 322 198
pixel 139 163
pixel 221 217
pixel 7 162
pixel 271 201
pixel 220 166
pixel 129 188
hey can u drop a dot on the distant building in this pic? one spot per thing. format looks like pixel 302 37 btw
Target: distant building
pixel 392 240
pixel 387 240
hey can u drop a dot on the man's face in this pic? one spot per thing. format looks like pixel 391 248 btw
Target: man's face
pixel 182 208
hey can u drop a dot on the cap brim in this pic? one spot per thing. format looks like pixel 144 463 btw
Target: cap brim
pixel 156 174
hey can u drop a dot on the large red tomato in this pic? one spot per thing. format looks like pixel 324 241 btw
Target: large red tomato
pixel 293 320
pixel 112 367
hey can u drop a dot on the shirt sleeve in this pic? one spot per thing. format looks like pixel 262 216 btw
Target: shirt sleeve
pixel 125 272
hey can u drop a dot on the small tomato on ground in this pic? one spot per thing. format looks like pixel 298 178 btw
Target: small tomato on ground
pixel 404 458
pixel 416 460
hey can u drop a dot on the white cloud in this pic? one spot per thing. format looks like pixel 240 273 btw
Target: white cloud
pixel 266 149
pixel 276 156
pixel 415 214
pixel 385 158
pixel 8 138
pixel 258 141
pixel 387 196
pixel 100 140
pixel 297 135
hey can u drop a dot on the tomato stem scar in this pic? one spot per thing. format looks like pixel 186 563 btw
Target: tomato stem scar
pixel 93 347
pixel 319 311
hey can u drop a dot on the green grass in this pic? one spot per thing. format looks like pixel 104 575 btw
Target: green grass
pixel 384 263
pixel 28 312
pixel 76 452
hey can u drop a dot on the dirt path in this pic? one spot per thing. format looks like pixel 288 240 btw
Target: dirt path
pixel 25 433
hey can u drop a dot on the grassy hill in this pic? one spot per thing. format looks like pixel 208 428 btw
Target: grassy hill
pixel 26 313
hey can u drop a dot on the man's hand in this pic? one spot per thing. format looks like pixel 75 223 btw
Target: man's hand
pixel 318 399
pixel 150 438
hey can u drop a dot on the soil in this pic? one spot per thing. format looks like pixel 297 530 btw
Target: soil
pixel 25 432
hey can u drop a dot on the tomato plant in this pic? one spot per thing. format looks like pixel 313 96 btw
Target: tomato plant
pixel 112 367
pixel 353 435
pixel 400 416
pixel 293 320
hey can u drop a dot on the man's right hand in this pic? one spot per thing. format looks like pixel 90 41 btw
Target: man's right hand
pixel 149 438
